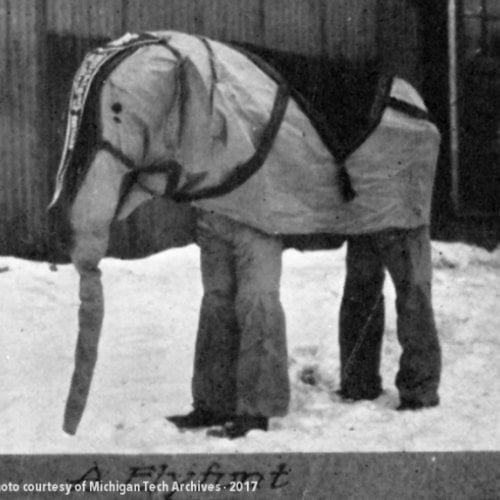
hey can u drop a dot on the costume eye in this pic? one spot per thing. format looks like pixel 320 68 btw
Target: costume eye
pixel 116 107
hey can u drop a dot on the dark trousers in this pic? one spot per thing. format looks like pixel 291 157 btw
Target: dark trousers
pixel 405 253
pixel 241 354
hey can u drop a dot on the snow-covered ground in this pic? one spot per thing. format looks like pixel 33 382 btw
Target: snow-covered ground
pixel 146 354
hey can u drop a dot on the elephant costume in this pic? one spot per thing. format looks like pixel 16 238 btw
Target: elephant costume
pixel 201 122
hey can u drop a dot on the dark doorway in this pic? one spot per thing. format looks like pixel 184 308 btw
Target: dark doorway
pixel 478 48
pixel 433 18
pixel 472 213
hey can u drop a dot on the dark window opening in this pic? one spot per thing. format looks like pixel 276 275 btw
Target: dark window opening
pixel 479 106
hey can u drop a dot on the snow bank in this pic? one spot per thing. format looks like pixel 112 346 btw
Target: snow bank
pixel 146 355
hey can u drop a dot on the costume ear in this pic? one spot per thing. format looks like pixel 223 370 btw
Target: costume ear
pixel 195 116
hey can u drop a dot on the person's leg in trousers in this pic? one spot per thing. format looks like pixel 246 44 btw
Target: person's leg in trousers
pixel 217 342
pixel 361 324
pixel 407 255
pixel 262 373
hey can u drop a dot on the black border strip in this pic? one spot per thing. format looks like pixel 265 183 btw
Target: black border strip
pixel 374 476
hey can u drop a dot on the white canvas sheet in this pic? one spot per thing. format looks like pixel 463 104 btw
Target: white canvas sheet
pixel 176 108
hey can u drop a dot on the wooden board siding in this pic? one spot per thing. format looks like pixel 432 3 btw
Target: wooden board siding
pixel 311 27
pixel 42 41
pixel 86 18
pixel 23 191
pixel 398 38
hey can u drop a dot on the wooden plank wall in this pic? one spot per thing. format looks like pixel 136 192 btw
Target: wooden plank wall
pixel 23 192
pixel 334 28
pixel 357 30
pixel 398 38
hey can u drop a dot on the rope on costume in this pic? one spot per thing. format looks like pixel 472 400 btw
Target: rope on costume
pixel 361 338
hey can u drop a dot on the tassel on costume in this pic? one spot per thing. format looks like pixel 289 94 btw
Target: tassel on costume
pixel 345 184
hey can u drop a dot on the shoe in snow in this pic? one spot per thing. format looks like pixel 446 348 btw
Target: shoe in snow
pixel 198 418
pixel 359 395
pixel 239 426
pixel 417 404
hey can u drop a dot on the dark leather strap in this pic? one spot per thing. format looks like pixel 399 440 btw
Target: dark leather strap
pixel 408 109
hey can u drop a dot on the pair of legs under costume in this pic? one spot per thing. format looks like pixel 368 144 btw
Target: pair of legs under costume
pixel 405 253
pixel 241 365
